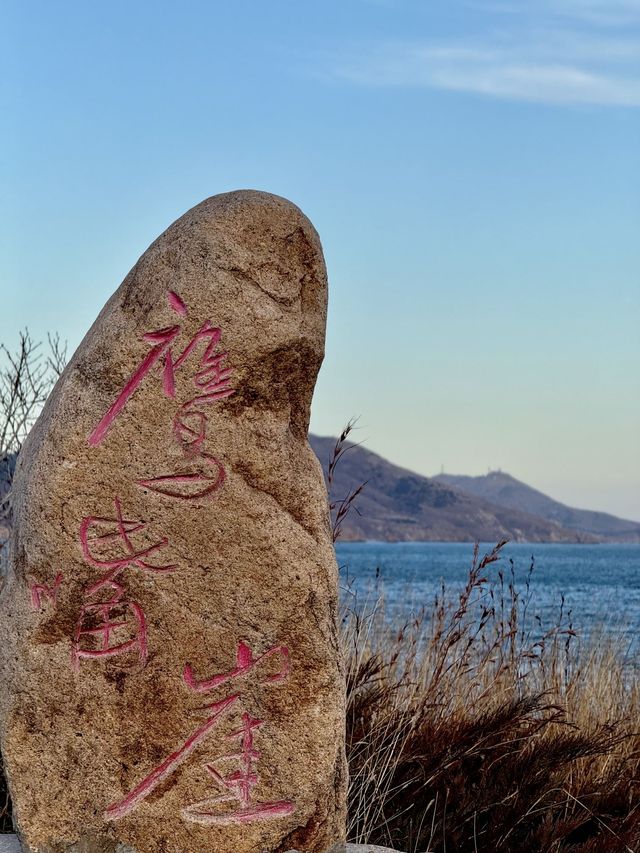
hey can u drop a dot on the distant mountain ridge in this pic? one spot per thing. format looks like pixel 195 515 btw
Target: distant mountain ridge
pixel 504 490
pixel 400 505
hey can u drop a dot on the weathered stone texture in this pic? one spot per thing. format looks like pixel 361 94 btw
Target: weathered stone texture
pixel 169 616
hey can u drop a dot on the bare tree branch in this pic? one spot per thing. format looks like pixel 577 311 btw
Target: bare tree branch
pixel 27 376
pixel 57 358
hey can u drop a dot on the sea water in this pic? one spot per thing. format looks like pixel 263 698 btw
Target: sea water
pixel 591 587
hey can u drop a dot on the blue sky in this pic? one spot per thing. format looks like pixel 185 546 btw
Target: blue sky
pixel 473 169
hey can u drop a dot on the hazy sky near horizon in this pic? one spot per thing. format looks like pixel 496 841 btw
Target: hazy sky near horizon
pixel 472 167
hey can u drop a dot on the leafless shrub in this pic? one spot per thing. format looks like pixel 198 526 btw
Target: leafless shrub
pixel 27 375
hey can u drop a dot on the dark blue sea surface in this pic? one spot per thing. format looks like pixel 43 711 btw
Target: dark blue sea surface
pixel 600 583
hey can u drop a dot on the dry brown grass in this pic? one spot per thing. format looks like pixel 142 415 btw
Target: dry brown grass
pixel 468 733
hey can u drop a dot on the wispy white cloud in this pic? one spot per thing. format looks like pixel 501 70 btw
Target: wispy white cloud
pixel 562 52
pixel 492 70
pixel 606 13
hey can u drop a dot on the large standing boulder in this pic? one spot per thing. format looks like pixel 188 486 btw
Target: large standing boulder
pixel 170 670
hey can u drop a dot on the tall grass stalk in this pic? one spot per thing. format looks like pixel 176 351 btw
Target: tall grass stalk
pixel 468 730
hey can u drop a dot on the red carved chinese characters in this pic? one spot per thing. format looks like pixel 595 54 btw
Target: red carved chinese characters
pixel 171 763
pixel 107 621
pixel 109 624
pixel 237 786
pixel 245 661
pixel 161 341
pixel 40 591
pixel 201 473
